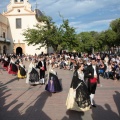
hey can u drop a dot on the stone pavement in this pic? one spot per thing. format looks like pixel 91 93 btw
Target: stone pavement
pixel 20 101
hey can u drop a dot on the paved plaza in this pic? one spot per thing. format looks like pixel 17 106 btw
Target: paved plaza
pixel 20 101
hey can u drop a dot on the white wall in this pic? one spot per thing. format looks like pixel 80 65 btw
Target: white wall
pixel 28 21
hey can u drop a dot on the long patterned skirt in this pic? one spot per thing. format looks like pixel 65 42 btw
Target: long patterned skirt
pixel 80 102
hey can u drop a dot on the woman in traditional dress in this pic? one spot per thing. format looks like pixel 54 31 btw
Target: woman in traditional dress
pixel 17 60
pixel 5 63
pixel 21 70
pixel 32 74
pixel 81 100
pixel 12 68
pixel 53 81
pixel 2 60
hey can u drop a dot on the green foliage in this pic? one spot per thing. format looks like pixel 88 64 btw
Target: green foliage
pixel 88 40
pixel 110 37
pixel 52 36
pixel 69 39
pixel 46 33
pixel 101 41
pixel 115 25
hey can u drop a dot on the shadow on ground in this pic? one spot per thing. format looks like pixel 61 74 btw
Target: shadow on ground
pixel 106 113
pixel 31 112
pixel 73 115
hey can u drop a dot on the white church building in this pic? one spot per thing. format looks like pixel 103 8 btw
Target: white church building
pixel 18 17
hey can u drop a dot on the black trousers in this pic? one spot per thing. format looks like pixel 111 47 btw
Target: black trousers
pixel 92 87
pixel 42 74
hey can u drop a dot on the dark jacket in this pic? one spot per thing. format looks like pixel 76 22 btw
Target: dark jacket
pixel 89 73
pixel 75 80
pixel 40 65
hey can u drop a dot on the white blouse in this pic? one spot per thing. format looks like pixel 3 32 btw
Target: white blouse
pixel 81 75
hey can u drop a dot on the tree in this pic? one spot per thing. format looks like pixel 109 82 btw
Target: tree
pixel 88 41
pixel 51 35
pixel 46 34
pixel 69 37
pixel 110 37
pixel 115 26
pixel 107 39
pixel 101 41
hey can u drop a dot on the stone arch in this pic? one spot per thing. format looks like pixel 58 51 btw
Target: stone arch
pixel 19 51
pixel 22 45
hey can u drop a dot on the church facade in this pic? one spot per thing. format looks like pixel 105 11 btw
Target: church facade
pixel 18 17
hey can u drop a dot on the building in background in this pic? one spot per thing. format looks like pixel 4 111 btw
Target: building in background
pixel 18 17
pixel 4 40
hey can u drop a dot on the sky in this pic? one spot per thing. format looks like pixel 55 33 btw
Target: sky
pixel 83 15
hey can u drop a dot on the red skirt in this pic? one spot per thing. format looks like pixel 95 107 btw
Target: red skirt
pixel 10 70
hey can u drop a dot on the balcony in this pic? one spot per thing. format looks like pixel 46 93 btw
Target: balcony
pixel 2 39
pixel 7 40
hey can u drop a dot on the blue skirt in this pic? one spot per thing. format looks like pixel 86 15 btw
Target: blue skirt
pixel 53 84
pixel 50 86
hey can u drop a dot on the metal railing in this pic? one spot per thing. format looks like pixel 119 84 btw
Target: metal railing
pixel 4 39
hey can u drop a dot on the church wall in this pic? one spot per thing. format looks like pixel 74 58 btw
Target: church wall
pixel 28 21
pixel 22 10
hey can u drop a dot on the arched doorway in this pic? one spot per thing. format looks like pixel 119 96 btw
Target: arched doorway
pixel 19 51
pixel 4 49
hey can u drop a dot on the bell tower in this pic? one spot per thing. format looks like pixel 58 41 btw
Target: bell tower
pixel 20 16
pixel 19 4
pixel 18 1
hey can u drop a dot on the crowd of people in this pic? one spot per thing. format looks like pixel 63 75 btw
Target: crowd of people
pixel 35 73
pixel 86 71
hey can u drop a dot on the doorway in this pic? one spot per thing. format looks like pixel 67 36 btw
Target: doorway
pixel 19 51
